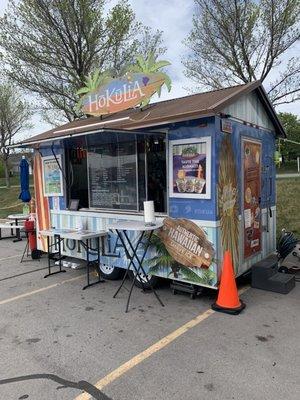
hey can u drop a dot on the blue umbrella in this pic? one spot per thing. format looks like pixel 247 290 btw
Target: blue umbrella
pixel 24 181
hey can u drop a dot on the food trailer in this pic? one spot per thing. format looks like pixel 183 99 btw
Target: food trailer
pixel 206 160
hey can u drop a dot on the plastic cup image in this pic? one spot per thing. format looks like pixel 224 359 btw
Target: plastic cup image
pixel 199 185
pixel 190 185
pixel 181 185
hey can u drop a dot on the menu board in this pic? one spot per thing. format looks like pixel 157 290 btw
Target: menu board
pixel 112 176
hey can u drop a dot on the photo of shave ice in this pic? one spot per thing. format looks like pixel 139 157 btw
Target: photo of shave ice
pixel 189 168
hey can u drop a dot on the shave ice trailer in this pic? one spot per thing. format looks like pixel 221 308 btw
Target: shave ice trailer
pixel 206 161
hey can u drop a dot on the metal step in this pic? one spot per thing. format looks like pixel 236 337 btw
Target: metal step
pixel 281 283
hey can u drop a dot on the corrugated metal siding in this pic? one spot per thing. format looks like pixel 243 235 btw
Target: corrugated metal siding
pixel 269 234
pixel 268 240
pixel 250 109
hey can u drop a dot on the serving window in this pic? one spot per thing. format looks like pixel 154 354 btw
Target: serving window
pixel 122 170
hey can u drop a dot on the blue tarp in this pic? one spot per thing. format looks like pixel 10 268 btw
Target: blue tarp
pixel 24 181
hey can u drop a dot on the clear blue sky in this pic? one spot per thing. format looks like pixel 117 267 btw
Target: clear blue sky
pixel 173 17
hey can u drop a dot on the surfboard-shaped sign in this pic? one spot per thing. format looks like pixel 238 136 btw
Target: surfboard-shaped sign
pixel 122 93
pixel 187 243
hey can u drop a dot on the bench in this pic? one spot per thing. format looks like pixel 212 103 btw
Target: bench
pixel 10 226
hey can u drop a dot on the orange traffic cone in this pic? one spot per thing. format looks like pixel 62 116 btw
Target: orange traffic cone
pixel 228 298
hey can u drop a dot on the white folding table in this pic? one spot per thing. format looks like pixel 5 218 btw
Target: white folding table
pixel 82 236
pixel 17 218
pixel 11 227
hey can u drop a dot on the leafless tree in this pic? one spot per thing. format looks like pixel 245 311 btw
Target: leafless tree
pixel 238 41
pixel 50 46
pixel 15 115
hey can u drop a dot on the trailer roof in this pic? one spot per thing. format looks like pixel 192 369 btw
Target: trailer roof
pixel 161 113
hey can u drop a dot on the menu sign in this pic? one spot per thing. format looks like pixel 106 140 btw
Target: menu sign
pixel 187 243
pixel 53 180
pixel 252 194
pixel 190 168
pixel 112 176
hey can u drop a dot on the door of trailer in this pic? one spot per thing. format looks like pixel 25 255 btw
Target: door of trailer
pixel 251 201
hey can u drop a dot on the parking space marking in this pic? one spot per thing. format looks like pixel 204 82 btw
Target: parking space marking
pixel 7 258
pixel 43 289
pixel 165 341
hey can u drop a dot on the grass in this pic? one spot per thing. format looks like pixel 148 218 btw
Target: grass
pixel 288 205
pixel 15 180
pixel 287 167
pixel 9 203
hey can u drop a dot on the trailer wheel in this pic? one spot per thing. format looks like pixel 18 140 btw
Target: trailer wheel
pixel 110 272
pixel 153 280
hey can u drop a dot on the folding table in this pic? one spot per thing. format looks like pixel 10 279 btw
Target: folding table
pixel 142 241
pixel 17 218
pixel 84 237
pixel 10 226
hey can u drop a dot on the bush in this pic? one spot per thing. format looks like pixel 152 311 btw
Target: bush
pixel 288 166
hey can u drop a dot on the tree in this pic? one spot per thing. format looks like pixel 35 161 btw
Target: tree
pixel 15 114
pixel 239 41
pixel 50 46
pixel 291 123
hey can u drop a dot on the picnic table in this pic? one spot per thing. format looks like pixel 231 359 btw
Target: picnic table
pixel 17 219
pixel 9 225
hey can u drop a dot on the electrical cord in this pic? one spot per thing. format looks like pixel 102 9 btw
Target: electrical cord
pixel 58 164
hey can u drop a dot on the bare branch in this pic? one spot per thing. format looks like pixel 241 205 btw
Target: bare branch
pixel 48 47
pixel 238 41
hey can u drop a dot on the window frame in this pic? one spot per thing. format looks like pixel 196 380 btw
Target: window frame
pixel 138 210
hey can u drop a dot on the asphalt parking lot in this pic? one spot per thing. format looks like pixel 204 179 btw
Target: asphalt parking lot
pixel 59 342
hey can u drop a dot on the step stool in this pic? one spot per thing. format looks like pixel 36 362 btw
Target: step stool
pixel 265 276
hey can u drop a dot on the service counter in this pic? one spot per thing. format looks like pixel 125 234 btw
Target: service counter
pixel 112 251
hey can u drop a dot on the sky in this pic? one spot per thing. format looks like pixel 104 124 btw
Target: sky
pixel 174 18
